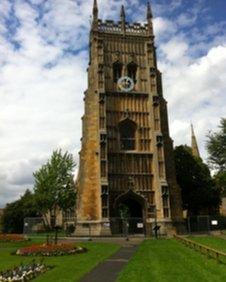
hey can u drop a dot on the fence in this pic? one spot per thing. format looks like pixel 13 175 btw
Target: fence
pixel 130 226
pixel 209 252
pixel 118 227
pixel 206 224
pixel 38 226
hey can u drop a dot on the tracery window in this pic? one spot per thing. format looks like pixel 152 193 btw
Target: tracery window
pixel 132 71
pixel 117 71
pixel 127 130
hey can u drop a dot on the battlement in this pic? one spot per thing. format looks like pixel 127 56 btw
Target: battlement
pixel 110 26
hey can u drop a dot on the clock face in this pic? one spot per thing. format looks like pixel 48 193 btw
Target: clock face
pixel 125 84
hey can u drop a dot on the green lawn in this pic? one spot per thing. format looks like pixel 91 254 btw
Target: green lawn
pixel 66 268
pixel 211 241
pixel 171 261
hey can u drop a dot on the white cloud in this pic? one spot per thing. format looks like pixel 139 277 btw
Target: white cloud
pixel 175 49
pixel 5 7
pixel 195 92
pixel 186 19
pixel 163 27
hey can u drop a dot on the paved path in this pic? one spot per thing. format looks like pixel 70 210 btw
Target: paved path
pixel 110 268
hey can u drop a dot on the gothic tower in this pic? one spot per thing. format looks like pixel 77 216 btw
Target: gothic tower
pixel 127 153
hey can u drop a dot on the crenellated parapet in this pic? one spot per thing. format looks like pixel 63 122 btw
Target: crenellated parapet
pixel 110 26
pixel 122 26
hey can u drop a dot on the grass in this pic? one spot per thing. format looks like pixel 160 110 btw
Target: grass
pixel 156 261
pixel 44 234
pixel 170 261
pixel 66 268
pixel 211 241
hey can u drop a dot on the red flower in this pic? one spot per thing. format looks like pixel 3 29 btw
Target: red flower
pixel 51 249
pixel 11 237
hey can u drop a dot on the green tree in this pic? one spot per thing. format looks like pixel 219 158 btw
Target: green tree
pixel 220 181
pixel 15 212
pixel 124 211
pixel 54 185
pixel 216 147
pixel 199 194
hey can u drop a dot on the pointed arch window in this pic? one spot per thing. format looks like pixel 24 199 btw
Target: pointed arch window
pixel 132 71
pixel 117 71
pixel 127 130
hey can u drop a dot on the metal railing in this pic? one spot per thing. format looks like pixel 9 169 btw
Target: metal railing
pixel 205 224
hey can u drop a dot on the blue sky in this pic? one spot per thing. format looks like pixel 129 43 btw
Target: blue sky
pixel 43 61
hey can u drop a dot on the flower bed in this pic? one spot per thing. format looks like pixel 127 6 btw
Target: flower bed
pixel 12 238
pixel 50 250
pixel 24 272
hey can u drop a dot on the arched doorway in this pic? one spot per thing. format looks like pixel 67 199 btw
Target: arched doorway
pixel 134 207
pixel 130 207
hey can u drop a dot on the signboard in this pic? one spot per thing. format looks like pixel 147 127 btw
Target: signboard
pixel 140 225
pixel 214 222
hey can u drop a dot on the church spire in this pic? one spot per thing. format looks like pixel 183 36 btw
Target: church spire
pixel 149 18
pixel 95 9
pixel 123 14
pixel 149 11
pixel 95 15
pixel 194 144
pixel 123 19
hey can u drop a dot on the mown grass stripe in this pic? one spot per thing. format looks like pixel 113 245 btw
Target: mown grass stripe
pixel 169 261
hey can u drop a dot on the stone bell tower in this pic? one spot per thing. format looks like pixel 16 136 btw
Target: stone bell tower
pixel 127 154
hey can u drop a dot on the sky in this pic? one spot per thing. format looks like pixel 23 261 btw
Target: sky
pixel 43 62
